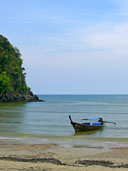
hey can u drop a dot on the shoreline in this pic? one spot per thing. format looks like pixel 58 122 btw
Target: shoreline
pixel 18 155
pixel 67 141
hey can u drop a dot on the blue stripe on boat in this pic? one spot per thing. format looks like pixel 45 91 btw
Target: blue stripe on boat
pixel 96 124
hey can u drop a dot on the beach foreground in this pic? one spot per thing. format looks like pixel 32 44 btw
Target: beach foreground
pixel 50 156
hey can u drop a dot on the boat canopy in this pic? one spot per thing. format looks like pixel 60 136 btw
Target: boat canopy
pixel 93 119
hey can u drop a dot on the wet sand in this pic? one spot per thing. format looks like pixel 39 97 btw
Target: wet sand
pixel 50 156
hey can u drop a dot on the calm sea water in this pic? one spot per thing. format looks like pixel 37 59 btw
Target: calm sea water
pixel 50 119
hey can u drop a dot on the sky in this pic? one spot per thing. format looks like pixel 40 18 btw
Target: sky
pixel 70 46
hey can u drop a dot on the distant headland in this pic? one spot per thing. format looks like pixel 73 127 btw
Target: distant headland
pixel 13 87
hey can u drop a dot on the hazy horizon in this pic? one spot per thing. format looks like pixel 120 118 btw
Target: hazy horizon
pixel 70 46
pixel 84 94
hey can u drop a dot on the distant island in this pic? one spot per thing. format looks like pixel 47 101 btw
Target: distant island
pixel 13 87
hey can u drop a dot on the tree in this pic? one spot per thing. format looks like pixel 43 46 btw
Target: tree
pixel 5 83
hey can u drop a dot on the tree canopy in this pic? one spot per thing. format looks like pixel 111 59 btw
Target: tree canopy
pixel 12 75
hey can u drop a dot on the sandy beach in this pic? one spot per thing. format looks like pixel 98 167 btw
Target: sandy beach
pixel 50 156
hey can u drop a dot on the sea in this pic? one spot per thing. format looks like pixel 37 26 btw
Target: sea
pixel 49 121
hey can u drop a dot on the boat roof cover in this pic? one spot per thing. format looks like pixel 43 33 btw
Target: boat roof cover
pixel 94 119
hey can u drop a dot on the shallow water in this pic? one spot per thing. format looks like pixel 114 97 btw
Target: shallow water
pixel 50 119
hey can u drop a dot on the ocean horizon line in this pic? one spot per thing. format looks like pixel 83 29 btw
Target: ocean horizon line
pixel 79 94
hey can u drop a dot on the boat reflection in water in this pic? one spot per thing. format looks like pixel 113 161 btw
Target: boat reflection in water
pixel 89 132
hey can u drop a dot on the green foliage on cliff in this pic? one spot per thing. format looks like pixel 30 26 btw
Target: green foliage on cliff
pixel 12 76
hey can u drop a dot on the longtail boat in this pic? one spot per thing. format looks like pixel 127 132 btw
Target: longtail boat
pixel 87 126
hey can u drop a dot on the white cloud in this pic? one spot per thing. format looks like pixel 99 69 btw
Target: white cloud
pixel 105 38
pixel 100 45
pixel 114 39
